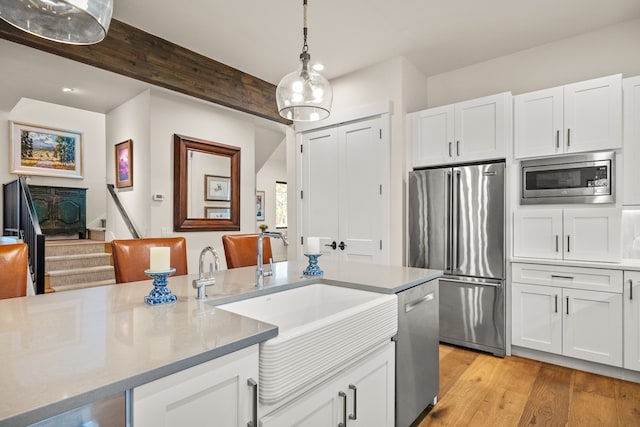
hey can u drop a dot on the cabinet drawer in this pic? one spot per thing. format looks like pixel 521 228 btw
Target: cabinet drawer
pixel 593 279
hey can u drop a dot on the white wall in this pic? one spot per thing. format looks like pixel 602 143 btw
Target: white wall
pixel 92 127
pixel 151 120
pixel 610 50
pixel 274 169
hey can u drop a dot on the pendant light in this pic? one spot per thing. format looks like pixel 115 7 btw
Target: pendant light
pixel 304 95
pixel 66 21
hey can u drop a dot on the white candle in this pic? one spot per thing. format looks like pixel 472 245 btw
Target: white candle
pixel 159 258
pixel 313 246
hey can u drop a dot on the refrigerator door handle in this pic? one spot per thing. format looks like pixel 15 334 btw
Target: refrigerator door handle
pixel 455 219
pixel 447 215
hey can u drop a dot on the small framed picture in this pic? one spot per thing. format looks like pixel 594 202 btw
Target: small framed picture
pixel 217 188
pixel 214 212
pixel 39 150
pixel 124 164
pixel 259 205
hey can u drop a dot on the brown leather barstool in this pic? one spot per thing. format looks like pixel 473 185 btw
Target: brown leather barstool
pixel 14 261
pixel 131 257
pixel 241 250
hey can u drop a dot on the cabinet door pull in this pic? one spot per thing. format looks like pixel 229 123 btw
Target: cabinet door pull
pixel 254 385
pixel 558 138
pixel 556 303
pixel 344 409
pixel 450 144
pixel 568 137
pixel 332 245
pixel 630 289
pixel 557 276
pixel 568 243
pixel 458 148
pixel 557 238
pixel 354 416
pixel 567 305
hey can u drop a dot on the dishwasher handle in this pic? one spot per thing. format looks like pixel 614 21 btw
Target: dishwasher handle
pixel 413 304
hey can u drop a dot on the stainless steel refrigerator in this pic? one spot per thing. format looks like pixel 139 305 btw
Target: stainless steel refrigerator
pixel 456 224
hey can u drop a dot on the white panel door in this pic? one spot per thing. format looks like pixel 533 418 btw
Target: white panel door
pixel 537 317
pixel 537 233
pixel 320 184
pixel 631 302
pixel 479 128
pixel 432 136
pixel 361 179
pixel 592 324
pixel 631 141
pixel 593 114
pixel 538 123
pixel 592 234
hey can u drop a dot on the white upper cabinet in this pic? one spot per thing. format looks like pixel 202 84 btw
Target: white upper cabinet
pixel 584 116
pixel 631 150
pixel 467 131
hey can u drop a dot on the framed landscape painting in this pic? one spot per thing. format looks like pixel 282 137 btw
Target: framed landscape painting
pixel 124 164
pixel 38 150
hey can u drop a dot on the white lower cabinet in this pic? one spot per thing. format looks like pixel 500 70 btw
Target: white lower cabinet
pixel 631 301
pixel 578 234
pixel 361 395
pixel 218 392
pixel 579 323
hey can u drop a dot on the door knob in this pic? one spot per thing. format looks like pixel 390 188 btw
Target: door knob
pixel 342 246
pixel 332 245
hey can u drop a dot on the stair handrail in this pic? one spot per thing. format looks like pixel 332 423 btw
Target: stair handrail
pixel 123 212
pixel 20 219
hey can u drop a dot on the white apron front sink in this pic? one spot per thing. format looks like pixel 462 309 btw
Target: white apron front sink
pixel 321 328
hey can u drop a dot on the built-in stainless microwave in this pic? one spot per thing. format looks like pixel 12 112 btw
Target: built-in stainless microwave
pixel 580 178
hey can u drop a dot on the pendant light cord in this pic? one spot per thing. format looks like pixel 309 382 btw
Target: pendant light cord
pixel 305 47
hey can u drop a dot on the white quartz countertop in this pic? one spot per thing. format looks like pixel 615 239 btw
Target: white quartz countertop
pixel 63 350
pixel 624 264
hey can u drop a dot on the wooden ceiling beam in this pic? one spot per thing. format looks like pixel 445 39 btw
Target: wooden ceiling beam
pixel 134 53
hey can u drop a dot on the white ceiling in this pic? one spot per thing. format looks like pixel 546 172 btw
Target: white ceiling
pixel 264 38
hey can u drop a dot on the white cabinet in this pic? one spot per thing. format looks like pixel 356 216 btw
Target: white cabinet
pixel 631 147
pixel 537 317
pixel 579 323
pixel 223 389
pixel 580 234
pixel 345 185
pixel 362 395
pixel 631 302
pixel 583 116
pixel 472 130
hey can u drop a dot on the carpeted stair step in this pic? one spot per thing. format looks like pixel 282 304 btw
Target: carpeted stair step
pixel 60 248
pixel 80 275
pixel 69 262
pixel 61 288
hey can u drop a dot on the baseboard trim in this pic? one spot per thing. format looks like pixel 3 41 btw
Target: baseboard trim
pixel 582 365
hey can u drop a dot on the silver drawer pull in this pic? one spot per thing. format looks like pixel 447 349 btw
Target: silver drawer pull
pixel 413 304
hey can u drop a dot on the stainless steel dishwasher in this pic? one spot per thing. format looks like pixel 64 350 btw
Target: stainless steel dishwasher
pixel 417 357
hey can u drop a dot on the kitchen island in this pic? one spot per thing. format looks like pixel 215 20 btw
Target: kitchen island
pixel 64 350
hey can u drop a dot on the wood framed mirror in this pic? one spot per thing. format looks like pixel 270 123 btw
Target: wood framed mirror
pixel 206 185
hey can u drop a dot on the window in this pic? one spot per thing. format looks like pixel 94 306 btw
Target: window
pixel 281 204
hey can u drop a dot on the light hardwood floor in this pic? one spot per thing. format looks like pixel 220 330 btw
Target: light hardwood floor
pixel 477 389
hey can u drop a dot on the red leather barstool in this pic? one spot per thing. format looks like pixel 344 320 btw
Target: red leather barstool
pixel 241 250
pixel 131 257
pixel 14 261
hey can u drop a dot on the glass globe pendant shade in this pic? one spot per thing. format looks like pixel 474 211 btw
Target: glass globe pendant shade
pixel 67 21
pixel 304 95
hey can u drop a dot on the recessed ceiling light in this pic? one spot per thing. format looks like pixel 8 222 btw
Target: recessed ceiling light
pixel 318 67
pixel 68 89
